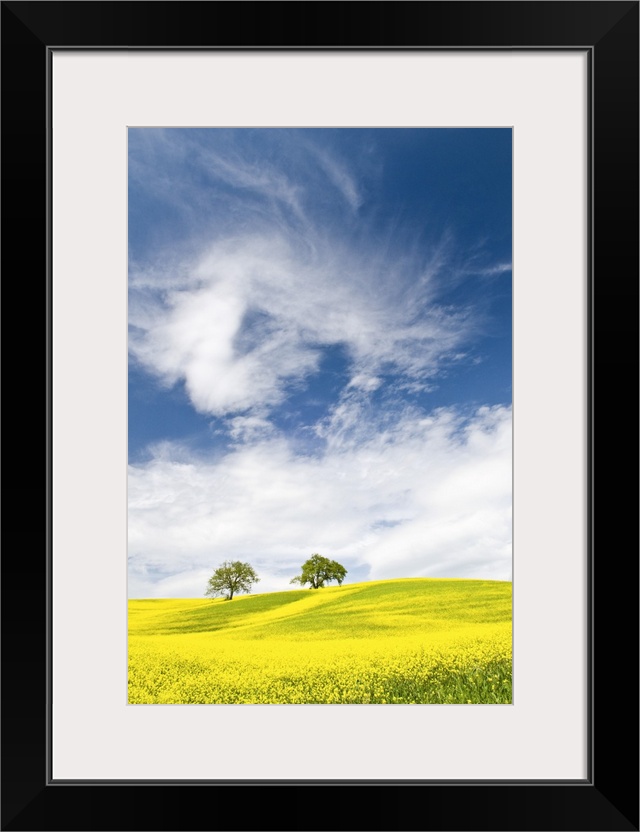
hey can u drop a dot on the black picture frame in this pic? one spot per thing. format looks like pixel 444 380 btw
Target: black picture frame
pixel 608 798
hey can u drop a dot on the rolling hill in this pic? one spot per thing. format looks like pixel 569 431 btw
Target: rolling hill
pixel 414 640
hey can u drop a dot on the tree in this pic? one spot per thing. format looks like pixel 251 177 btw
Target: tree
pixel 317 570
pixel 231 577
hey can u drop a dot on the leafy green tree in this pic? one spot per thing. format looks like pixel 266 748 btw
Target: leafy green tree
pixel 318 570
pixel 230 578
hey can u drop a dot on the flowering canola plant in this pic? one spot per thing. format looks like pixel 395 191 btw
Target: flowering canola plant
pixel 404 641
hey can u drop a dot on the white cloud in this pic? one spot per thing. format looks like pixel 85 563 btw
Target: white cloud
pixel 255 313
pixel 365 382
pixel 499 268
pixel 276 267
pixel 421 496
pixel 249 428
pixel 341 178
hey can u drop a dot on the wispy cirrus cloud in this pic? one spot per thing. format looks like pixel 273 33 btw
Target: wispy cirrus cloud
pixel 256 313
pixel 338 173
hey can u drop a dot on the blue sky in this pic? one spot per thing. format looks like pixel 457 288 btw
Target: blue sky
pixel 319 353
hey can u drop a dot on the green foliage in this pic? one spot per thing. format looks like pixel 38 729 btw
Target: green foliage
pixel 230 578
pixel 318 570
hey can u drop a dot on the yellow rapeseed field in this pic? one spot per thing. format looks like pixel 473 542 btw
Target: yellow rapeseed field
pixel 418 640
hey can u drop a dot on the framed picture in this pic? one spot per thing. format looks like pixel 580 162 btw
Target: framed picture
pixel 310 371
pixel 562 79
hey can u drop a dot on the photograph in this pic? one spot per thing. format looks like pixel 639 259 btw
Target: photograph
pixel 320 415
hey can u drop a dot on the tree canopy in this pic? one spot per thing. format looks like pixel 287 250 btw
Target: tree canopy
pixel 319 570
pixel 230 578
